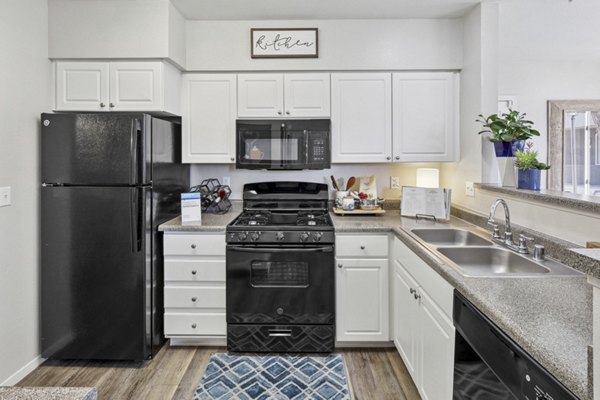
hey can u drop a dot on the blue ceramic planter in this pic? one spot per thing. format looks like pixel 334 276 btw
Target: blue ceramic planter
pixel 530 179
pixel 508 149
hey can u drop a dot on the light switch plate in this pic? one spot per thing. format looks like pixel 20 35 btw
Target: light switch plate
pixel 469 189
pixel 394 182
pixel 5 196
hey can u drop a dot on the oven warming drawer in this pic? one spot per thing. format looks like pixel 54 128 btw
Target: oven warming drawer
pixel 280 338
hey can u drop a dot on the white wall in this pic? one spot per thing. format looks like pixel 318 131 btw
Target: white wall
pixel 24 84
pixel 558 60
pixel 382 173
pixel 545 50
pixel 478 85
pixel 343 45
pixel 115 29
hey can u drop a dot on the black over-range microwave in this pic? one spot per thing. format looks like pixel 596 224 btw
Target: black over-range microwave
pixel 283 144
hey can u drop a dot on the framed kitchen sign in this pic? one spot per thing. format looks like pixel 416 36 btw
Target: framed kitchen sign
pixel 284 43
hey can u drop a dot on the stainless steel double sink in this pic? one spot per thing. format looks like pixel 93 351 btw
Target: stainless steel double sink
pixel 474 256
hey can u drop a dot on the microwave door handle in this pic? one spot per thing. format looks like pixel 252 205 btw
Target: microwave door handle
pixel 305 146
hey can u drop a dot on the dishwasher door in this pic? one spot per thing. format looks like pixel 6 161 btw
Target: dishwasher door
pixel 488 365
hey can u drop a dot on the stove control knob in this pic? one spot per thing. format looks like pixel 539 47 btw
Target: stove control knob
pixel 316 236
pixel 254 236
pixel 242 235
pixel 304 236
pixel 279 236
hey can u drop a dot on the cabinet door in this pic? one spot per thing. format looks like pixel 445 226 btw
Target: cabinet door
pixel 425 116
pixel 361 117
pixel 260 95
pixel 209 114
pixel 436 352
pixel 405 309
pixel 135 86
pixel 81 86
pixel 362 300
pixel 307 95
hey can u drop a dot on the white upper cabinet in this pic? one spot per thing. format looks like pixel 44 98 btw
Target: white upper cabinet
pixel 117 86
pixel 209 113
pixel 283 95
pixel 425 116
pixel 82 86
pixel 361 117
pixel 307 95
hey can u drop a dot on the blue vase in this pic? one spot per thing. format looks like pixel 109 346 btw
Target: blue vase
pixel 508 149
pixel 530 179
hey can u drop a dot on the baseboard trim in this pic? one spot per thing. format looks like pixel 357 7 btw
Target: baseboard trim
pixel 23 371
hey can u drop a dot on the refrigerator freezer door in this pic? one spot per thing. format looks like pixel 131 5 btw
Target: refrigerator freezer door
pixel 96 149
pixel 96 273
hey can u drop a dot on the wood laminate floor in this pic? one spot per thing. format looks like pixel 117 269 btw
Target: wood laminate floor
pixel 375 374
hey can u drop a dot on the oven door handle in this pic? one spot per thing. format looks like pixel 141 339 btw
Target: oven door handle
pixel 240 249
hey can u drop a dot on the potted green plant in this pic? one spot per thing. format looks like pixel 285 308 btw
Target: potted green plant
pixel 530 168
pixel 509 131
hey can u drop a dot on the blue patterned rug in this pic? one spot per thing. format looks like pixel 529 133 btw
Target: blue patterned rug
pixel 280 377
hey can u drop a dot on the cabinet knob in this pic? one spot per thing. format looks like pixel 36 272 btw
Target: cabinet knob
pixel 232 159
pixel 279 112
pixel 397 157
pixel 193 246
pixel 194 272
pixel 194 326
pixel 111 105
pixel 412 291
pixel 102 105
pixel 362 247
pixel 340 266
pixel 388 158
pixel 194 299
pixel 287 112
pixel 417 296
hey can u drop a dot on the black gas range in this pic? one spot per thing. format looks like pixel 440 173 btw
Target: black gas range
pixel 280 270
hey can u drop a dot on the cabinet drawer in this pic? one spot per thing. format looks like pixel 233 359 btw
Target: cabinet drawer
pixel 189 324
pixel 195 297
pixel 193 270
pixel 361 245
pixel 194 244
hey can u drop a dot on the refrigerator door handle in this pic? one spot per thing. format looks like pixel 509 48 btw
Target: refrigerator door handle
pixel 133 167
pixel 135 223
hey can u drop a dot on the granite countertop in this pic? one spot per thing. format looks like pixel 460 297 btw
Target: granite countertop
pixel 550 318
pixel 210 222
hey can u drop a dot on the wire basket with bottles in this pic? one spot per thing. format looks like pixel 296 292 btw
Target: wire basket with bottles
pixel 214 196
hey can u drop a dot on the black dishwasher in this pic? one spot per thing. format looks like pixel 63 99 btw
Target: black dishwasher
pixel 488 365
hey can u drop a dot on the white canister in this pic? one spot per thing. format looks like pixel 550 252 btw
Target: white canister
pixel 339 197
pixel 348 203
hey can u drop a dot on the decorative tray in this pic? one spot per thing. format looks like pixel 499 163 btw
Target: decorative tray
pixel 359 211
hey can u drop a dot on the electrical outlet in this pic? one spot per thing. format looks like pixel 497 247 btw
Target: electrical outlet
pixel 394 182
pixel 5 196
pixel 227 180
pixel 469 189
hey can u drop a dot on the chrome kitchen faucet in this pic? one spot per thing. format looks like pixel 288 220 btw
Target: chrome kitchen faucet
pixel 508 236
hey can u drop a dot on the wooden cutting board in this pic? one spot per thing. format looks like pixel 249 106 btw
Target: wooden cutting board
pixel 593 245
pixel 375 211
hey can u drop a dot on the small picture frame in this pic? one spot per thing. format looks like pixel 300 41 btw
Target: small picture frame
pixel 284 42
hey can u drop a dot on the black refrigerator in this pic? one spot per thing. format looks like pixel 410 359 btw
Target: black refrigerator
pixel 108 181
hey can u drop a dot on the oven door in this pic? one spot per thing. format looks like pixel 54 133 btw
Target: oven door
pixel 281 285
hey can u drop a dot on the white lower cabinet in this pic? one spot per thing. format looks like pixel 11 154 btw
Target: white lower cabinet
pixel 423 329
pixel 194 291
pixel 362 303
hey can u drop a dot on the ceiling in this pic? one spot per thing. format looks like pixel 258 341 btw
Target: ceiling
pixel 321 9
